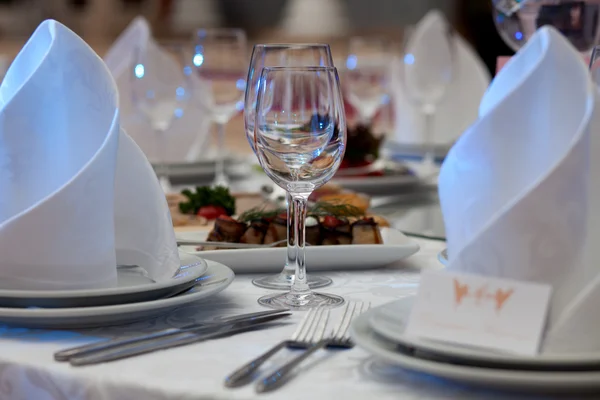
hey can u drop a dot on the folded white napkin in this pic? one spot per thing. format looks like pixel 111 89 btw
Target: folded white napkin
pixel 187 135
pixel 77 195
pixel 458 109
pixel 520 189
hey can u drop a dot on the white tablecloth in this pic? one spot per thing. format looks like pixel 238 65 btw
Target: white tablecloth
pixel 27 369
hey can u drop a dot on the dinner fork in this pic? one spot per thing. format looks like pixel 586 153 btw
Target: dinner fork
pixel 339 339
pixel 310 331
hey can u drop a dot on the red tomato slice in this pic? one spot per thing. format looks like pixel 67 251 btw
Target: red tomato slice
pixel 211 212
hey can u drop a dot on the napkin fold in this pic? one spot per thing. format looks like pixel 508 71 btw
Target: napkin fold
pixel 78 195
pixel 518 188
pixel 458 109
pixel 188 135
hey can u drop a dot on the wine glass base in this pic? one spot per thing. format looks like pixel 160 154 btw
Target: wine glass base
pixel 300 303
pixel 284 282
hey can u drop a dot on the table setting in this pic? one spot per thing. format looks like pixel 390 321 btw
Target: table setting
pixel 477 281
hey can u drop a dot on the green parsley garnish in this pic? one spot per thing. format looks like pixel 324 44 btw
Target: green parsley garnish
pixel 207 196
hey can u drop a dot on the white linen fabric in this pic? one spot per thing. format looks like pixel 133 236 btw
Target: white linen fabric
pixel 77 195
pixel 188 135
pixel 457 109
pixel 516 189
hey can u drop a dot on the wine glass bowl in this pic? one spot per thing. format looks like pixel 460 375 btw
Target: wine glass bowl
pixel 366 77
pixel 278 55
pixel 299 138
pixel 516 21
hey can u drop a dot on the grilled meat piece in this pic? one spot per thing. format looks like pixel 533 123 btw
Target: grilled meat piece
pixel 277 231
pixel 313 231
pixel 227 229
pixel 336 231
pixel 366 231
pixel 255 234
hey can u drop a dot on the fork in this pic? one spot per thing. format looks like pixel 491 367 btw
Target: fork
pixel 310 331
pixel 339 339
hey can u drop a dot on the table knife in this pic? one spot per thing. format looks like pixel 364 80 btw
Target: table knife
pixel 65 355
pixel 168 342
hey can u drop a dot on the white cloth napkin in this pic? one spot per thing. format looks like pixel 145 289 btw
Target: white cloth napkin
pixel 188 135
pixel 520 189
pixel 77 194
pixel 458 109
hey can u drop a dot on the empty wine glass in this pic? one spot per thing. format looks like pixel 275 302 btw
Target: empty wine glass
pixel 161 89
pixel 428 69
pixel 299 138
pixel 282 55
pixel 578 20
pixel 220 59
pixel 366 78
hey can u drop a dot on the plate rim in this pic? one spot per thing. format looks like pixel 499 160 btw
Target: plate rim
pixel 458 352
pixel 72 312
pixel 410 245
pixel 479 376
pixel 113 291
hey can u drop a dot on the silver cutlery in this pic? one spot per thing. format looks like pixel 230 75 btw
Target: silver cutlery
pixel 177 340
pixel 309 331
pixel 227 245
pixel 339 339
pixel 81 351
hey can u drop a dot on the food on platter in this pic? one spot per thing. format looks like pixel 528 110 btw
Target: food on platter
pixel 200 206
pixel 362 152
pixel 326 224
pixel 357 200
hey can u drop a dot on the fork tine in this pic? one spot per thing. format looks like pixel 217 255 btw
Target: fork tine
pixel 345 321
pixel 363 307
pixel 304 325
pixel 321 325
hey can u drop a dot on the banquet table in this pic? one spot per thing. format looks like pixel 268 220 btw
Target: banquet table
pixel 28 371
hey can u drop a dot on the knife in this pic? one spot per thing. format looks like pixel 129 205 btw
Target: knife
pixel 227 245
pixel 180 339
pixel 65 355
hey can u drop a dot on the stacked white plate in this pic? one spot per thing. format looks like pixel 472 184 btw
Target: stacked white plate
pixel 135 297
pixel 382 332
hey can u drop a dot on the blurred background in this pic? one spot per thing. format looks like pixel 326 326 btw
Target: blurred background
pixel 100 21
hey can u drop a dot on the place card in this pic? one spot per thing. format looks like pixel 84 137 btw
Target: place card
pixel 480 311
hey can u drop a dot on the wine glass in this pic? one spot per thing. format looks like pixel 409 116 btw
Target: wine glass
pixel 517 20
pixel 366 78
pixel 300 138
pixel 220 60
pixel 428 68
pixel 161 89
pixel 282 55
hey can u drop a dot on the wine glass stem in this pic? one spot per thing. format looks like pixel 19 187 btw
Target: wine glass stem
pixel 291 237
pixel 220 176
pixel 429 158
pixel 296 258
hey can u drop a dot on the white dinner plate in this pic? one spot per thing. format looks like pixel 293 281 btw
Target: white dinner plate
pixel 133 285
pixel 407 151
pixel 489 378
pixel 377 184
pixel 216 279
pixel 396 246
pixel 389 321
pixel 205 169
